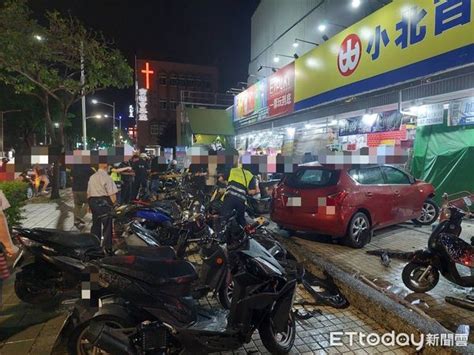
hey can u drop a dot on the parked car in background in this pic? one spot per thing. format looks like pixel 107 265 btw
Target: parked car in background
pixel 351 201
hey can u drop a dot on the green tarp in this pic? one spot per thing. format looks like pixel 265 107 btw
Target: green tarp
pixel 444 156
pixel 210 122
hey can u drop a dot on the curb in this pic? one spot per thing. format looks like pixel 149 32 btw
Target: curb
pixel 381 308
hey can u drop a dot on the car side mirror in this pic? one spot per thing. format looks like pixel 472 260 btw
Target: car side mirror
pixel 412 180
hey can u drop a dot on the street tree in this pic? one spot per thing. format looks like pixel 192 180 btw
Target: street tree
pixel 45 61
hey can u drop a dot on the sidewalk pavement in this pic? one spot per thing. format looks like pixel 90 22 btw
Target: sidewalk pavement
pixel 25 329
pixel 403 237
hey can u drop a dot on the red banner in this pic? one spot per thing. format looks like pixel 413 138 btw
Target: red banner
pixel 281 93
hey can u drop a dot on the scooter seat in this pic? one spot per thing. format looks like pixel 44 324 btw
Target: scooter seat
pixel 152 252
pixel 63 238
pixel 155 271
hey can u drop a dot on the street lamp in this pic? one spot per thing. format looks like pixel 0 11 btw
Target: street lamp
pixel 112 105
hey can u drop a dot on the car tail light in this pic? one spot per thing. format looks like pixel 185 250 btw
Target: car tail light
pixel 336 199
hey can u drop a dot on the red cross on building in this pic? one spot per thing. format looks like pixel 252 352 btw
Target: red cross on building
pixel 147 73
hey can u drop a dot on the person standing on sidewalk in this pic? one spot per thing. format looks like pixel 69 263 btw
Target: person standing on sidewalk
pixel 80 174
pixel 140 185
pixel 102 195
pixel 7 248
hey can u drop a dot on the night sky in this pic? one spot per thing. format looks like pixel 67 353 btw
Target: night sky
pixel 207 32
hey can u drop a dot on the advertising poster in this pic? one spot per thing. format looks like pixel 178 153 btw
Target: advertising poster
pixel 281 91
pixel 371 123
pixel 430 115
pixel 251 101
pixel 461 112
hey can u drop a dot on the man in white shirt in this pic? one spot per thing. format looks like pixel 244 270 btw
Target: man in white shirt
pixel 5 237
pixel 101 194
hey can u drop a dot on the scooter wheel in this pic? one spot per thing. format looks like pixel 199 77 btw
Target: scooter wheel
pixel 225 295
pixel 278 343
pixel 79 345
pixel 34 294
pixel 411 274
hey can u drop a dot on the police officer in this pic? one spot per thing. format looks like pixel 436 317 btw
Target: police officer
pixel 241 183
pixel 101 193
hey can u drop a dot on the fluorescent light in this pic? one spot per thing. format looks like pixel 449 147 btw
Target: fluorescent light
pixel 291 132
pixel 322 27
pixel 355 4
pixel 295 44
pixel 369 119
pixel 276 59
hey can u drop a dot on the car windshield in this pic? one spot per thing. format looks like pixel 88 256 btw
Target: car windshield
pixel 310 178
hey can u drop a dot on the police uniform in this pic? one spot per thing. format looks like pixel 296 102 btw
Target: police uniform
pixel 240 182
pixel 99 189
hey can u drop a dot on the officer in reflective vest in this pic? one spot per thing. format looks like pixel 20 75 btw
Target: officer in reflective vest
pixel 241 183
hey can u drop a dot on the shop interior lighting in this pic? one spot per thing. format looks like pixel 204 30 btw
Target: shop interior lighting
pixel 334 123
pixel 276 59
pixel 295 44
pixel 290 132
pixel 369 118
pixel 322 27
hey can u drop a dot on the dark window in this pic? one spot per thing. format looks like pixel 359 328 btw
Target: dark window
pixel 173 105
pixel 174 80
pixel 197 83
pixel 189 81
pixel 163 104
pixel 313 178
pixel 367 176
pixel 154 129
pixel 395 176
pixel 182 81
pixel 163 79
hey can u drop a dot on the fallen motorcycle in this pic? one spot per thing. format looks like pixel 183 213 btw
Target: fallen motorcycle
pixel 445 250
pixel 159 293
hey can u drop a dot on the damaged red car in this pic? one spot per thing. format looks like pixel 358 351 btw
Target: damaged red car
pixel 351 201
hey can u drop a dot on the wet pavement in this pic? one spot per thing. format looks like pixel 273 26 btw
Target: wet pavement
pixel 403 237
pixel 25 329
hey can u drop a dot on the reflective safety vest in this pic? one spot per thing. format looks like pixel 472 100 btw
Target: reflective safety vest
pixel 243 178
pixel 116 176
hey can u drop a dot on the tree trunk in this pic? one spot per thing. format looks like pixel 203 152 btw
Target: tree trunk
pixel 55 150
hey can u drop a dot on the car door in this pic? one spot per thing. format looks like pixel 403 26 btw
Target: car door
pixel 404 193
pixel 372 194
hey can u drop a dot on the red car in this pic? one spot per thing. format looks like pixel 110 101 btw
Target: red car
pixel 352 201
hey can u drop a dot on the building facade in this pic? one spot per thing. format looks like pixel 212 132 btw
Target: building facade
pixel 160 87
pixel 385 89
pixel 284 28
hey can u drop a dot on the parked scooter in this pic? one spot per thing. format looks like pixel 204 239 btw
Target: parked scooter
pixel 43 281
pixel 160 293
pixel 445 250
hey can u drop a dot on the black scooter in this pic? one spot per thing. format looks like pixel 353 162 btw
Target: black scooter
pixel 445 250
pixel 159 293
pixel 42 281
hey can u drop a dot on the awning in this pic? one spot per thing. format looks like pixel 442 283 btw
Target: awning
pixel 210 121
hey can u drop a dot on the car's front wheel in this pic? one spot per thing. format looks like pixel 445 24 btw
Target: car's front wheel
pixel 358 232
pixel 429 213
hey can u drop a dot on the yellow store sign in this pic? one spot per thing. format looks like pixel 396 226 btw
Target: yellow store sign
pixel 404 40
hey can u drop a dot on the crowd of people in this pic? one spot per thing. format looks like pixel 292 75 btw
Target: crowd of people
pixel 99 189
